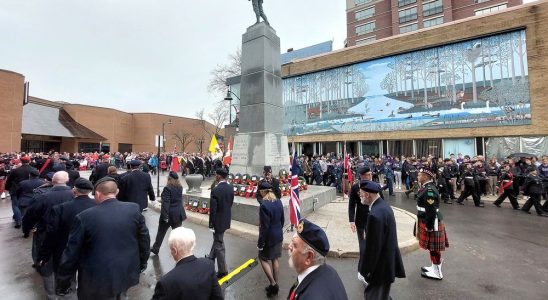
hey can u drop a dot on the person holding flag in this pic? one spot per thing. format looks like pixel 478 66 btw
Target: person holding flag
pixel 294 202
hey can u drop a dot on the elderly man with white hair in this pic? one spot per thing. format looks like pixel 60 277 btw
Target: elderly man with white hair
pixel 192 278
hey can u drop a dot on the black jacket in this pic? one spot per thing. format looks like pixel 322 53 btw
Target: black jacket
pixel 192 278
pixel 134 187
pixel 100 171
pixel 220 207
pixel 533 185
pixel 25 191
pixel 172 205
pixel 381 258
pixel 271 219
pixel 357 212
pixel 428 197
pixel 108 244
pixel 73 175
pixel 322 284
pixel 58 228
pixel 16 176
pixel 39 212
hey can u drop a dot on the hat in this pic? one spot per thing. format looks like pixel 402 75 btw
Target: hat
pixel 427 172
pixel 83 184
pixel 25 159
pixel 135 163
pixel 103 180
pixel 370 186
pixel 222 172
pixel 173 175
pixel 267 169
pixel 313 236
pixel 264 185
pixel 49 176
pixel 59 167
pixel 363 170
pixel 34 172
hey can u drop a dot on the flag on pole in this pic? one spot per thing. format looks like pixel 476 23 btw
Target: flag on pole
pixel 348 169
pixel 227 160
pixel 213 145
pixel 294 202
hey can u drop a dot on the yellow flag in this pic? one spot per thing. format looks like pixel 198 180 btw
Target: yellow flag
pixel 213 145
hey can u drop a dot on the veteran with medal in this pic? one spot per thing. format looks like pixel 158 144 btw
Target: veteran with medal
pixel 430 229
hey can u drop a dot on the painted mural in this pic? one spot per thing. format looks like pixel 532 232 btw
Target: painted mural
pixel 476 83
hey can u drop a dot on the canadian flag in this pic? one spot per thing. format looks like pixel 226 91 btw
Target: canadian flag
pixel 227 160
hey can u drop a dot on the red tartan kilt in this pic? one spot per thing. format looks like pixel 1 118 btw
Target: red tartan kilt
pixel 433 240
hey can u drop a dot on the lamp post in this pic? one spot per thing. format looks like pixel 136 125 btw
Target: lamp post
pixel 228 97
pixel 160 138
pixel 201 142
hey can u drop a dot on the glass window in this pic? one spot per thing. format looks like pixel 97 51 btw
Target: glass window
pixel 407 15
pixel 481 1
pixel 433 22
pixel 405 2
pixel 409 28
pixel 366 40
pixel 429 147
pixel 432 8
pixel 88 147
pixel 488 10
pixel 365 13
pixel 360 2
pixel 399 148
pixel 365 28
pixel 370 148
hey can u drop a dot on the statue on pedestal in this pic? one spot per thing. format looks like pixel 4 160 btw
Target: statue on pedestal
pixel 259 13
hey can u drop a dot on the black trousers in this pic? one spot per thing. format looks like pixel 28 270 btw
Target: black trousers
pixel 469 191
pixel 534 200
pixel 218 251
pixel 162 229
pixel 360 231
pixel 449 188
pixel 510 195
pixel 378 292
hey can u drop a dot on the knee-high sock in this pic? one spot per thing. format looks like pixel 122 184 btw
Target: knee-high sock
pixel 435 257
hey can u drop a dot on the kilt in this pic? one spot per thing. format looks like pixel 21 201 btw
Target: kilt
pixel 433 240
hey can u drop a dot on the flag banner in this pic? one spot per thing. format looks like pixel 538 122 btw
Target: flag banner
pixel 294 202
pixel 213 145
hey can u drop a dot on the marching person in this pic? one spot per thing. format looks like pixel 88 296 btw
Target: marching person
pixel 25 190
pixel 172 214
pixel 315 279
pixel 430 229
pixel 271 220
pixel 470 188
pixel 191 278
pixel 135 186
pixel 358 212
pixel 381 260
pixel 507 188
pixel 108 246
pixel 275 183
pixel 220 215
pixel 13 180
pixel 100 170
pixel 533 188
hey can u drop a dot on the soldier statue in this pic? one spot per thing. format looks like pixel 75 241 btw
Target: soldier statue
pixel 259 13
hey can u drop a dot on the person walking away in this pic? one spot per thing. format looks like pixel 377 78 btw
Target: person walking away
pixel 271 220
pixel 136 186
pixel 172 213
pixel 220 216
pixel 12 183
pixel 191 278
pixel 533 188
pixel 25 191
pixel 507 188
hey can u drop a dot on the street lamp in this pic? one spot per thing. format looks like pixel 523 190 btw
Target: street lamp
pixel 228 97
pixel 201 142
pixel 158 157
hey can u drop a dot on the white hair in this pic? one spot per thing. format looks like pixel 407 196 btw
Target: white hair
pixel 60 177
pixel 183 239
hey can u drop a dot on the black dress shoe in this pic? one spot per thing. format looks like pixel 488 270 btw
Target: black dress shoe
pixel 221 274
pixel 460 203
pixel 272 290
pixel 527 212
pixel 517 208
pixel 480 205
pixel 543 215
pixel 497 205
pixel 17 226
pixel 448 202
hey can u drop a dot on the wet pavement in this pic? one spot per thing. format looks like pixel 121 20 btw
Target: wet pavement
pixel 495 253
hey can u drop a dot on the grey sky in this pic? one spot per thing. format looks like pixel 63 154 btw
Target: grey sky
pixel 145 55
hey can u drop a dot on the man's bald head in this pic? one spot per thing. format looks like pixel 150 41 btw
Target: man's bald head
pixel 60 177
pixel 107 187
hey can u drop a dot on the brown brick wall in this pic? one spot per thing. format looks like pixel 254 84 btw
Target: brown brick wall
pixel 11 110
pixel 533 17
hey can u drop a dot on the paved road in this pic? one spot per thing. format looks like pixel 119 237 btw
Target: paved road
pixel 495 253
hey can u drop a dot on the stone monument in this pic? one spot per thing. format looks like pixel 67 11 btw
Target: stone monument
pixel 260 140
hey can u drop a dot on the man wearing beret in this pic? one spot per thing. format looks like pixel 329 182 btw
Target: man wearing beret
pixel 220 215
pixel 358 212
pixel 136 186
pixel 430 229
pixel 381 260
pixel 315 279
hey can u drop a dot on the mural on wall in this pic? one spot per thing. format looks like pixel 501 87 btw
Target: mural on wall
pixel 476 83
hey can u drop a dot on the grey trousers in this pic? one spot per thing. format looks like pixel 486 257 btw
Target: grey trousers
pixel 49 286
pixel 218 251
pixel 378 292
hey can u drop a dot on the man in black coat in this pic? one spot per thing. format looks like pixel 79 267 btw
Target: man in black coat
pixel 73 174
pixel 381 260
pixel 100 170
pixel 135 186
pixel 220 215
pixel 12 183
pixel 275 183
pixel 358 212
pixel 108 245
pixel 25 191
pixel 192 278
pixel 315 279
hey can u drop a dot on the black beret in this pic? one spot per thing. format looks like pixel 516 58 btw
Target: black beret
pixel 370 186
pixel 83 184
pixel 222 172
pixel 314 236
pixel 135 163
pixel 34 172
pixel 173 175
pixel 427 172
pixel 49 176
pixel 267 169
pixel 363 170
pixel 264 185
pixel 59 167
pixel 105 179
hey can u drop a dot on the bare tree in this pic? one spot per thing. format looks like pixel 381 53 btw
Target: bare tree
pixel 184 137
pixel 213 123
pixel 217 83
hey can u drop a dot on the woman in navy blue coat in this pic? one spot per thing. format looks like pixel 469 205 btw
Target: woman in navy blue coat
pixel 271 216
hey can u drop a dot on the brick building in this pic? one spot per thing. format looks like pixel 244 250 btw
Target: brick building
pixel 370 20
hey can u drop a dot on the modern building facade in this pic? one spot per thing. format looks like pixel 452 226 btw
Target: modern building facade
pixel 370 20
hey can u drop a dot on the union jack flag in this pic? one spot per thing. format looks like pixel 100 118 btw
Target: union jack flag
pixel 294 202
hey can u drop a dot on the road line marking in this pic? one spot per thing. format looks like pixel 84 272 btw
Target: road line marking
pixel 238 272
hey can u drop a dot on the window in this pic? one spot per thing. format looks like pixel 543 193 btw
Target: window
pixel 433 22
pixel 407 15
pixel 88 147
pixel 360 2
pixel 432 8
pixel 488 10
pixel 365 41
pixel 365 13
pixel 408 28
pixel 481 1
pixel 365 28
pixel 405 2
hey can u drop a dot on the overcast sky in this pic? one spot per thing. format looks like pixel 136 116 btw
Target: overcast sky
pixel 145 55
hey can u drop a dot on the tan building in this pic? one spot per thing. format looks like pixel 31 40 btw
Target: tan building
pixel 40 125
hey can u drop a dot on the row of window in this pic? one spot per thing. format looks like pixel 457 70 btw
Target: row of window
pixel 365 13
pixel 370 27
pixel 365 28
pixel 425 24
pixel 367 40
pixel 360 2
pixel 490 9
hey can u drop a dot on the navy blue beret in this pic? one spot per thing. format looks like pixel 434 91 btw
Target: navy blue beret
pixel 135 163
pixel 363 170
pixel 264 185
pixel 221 172
pixel 83 184
pixel 370 186
pixel 313 236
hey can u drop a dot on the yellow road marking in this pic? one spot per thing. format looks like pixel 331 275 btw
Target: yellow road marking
pixel 236 271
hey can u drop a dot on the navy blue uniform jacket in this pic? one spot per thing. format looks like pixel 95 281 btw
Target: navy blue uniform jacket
pixel 172 205
pixel 39 212
pixel 271 218
pixel 322 284
pixel 107 245
pixel 381 258
pixel 136 187
pixel 357 212
pixel 220 210
pixel 25 191
pixel 192 278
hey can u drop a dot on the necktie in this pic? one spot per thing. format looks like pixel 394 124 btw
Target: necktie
pixel 292 291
